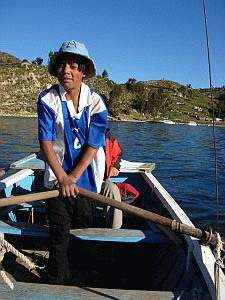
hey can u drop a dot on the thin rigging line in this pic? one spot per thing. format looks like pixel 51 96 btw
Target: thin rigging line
pixel 213 114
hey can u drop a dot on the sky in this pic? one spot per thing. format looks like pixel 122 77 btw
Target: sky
pixel 141 39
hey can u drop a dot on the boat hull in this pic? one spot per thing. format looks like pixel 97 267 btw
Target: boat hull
pixel 142 259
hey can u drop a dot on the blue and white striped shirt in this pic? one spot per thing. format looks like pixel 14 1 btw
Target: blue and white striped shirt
pixel 70 131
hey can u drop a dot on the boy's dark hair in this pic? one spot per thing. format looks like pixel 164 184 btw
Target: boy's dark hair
pixel 81 61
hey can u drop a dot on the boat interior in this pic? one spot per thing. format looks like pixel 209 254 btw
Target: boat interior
pixel 141 259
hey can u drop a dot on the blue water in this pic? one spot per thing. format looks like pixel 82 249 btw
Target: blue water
pixel 184 157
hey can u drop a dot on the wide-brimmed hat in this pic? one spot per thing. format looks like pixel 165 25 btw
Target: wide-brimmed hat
pixel 79 50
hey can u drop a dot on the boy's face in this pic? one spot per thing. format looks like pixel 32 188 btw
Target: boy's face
pixel 69 72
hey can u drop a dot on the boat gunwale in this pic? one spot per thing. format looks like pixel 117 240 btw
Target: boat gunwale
pixel 203 254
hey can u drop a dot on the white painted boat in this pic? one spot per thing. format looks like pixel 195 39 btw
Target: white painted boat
pixel 140 261
pixel 192 123
pixel 168 122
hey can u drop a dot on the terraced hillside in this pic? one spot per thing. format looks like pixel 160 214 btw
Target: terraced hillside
pixel 21 82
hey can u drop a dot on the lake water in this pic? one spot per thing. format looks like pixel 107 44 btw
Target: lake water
pixel 184 157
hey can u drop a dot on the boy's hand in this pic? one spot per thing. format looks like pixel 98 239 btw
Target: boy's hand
pixel 68 187
pixel 113 172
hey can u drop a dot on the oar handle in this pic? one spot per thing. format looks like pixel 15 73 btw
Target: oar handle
pixel 14 200
pixel 142 213
pixel 204 236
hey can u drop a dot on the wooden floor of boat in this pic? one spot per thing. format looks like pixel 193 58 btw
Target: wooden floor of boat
pixel 44 291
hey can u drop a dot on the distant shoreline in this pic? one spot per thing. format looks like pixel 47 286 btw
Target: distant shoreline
pixel 18 115
pixel 110 118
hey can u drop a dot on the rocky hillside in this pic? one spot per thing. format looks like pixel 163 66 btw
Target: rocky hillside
pixel 21 82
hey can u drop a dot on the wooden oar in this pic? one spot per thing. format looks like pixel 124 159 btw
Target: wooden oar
pixel 205 236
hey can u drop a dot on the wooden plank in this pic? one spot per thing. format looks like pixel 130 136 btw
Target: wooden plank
pixel 36 291
pixel 129 166
pixel 15 178
pixel 35 163
pixel 23 229
pixel 118 179
pixel 88 234
pixel 29 162
pixel 8 229
pixel 119 235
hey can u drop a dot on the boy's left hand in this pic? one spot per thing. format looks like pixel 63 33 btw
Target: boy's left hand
pixel 113 172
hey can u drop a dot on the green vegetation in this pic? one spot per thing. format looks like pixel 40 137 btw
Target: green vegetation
pixel 105 74
pixel 21 82
pixel 37 61
pixel 6 58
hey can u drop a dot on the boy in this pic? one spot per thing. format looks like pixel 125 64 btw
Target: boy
pixel 72 121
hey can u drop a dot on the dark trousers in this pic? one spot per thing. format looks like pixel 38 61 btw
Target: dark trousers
pixel 65 214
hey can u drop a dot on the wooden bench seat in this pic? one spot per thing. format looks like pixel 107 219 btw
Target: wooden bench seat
pixel 25 290
pixel 91 234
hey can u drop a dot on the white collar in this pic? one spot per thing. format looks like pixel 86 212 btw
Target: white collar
pixel 84 99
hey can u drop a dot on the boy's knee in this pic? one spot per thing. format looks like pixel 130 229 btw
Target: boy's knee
pixel 114 188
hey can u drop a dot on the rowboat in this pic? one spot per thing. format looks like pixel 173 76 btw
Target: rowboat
pixel 168 122
pixel 192 123
pixel 142 260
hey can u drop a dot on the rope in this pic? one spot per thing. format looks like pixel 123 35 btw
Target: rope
pixel 3 275
pixel 6 279
pixel 217 251
pixel 219 247
pixel 218 264
pixel 213 114
pixel 27 262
